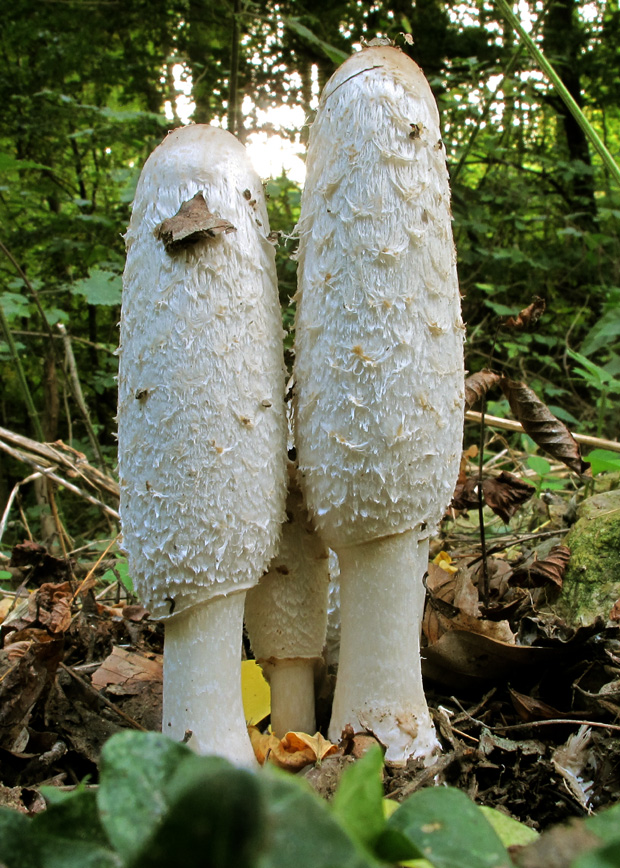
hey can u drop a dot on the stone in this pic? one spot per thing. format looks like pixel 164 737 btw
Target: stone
pixel 592 579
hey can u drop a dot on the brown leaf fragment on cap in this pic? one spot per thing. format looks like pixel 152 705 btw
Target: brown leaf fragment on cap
pixel 548 571
pixel 477 385
pixel 543 427
pixel 192 222
pixel 527 319
pixel 505 494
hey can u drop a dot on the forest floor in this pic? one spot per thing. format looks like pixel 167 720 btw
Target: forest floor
pixel 526 708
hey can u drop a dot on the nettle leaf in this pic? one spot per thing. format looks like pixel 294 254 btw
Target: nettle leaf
pixel 13 304
pixel 101 287
pixel 449 830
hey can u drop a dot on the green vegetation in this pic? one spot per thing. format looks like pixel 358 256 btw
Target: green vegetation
pixel 88 89
pixel 158 804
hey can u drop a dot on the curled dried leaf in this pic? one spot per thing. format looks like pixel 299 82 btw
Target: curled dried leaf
pixel 466 494
pixel 548 571
pixel 542 426
pixel 527 319
pixel 477 385
pixel 505 494
pixel 192 222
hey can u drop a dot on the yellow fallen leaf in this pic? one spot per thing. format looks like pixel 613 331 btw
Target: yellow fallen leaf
pixel 444 561
pixel 255 692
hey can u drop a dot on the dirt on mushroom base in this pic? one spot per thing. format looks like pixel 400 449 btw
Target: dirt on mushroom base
pixel 529 729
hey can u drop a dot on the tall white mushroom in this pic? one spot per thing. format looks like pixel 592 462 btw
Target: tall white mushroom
pixel 201 420
pixel 286 618
pixel 379 376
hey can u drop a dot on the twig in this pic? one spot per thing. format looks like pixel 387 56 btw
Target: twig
pixel 74 381
pixel 46 471
pixel 571 721
pixel 9 503
pixel 21 375
pixel 512 425
pixel 60 453
pixel 84 683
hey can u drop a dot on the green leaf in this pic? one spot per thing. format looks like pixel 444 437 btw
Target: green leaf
pixel 17 848
pixel 335 54
pixel 602 857
pixel 100 287
pixel 606 824
pixel 9 163
pixel 215 809
pixel 69 834
pixel 511 832
pixel 14 304
pixel 604 461
pixel 135 766
pixel 446 827
pixel 539 465
pixel 120 572
pixel 303 832
pixel 358 802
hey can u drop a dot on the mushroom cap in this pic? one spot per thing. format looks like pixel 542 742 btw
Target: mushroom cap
pixel 286 613
pixel 201 419
pixel 379 337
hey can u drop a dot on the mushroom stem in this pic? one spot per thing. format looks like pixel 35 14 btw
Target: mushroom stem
pixel 202 679
pixel 292 695
pixel 382 601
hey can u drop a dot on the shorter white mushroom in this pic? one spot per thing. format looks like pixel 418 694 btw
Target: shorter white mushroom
pixel 286 618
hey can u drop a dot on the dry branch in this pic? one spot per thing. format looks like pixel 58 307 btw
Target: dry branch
pixel 511 425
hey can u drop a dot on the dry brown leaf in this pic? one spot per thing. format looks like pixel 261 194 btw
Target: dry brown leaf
pixel 466 494
pixel 461 659
pixel 477 385
pixel 52 603
pixel 442 615
pixel 529 708
pixel 538 573
pixel 293 752
pixel 543 427
pixel 505 493
pixel 192 222
pixel 527 319
pixel 124 672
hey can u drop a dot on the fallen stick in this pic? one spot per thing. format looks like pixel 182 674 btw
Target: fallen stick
pixel 511 425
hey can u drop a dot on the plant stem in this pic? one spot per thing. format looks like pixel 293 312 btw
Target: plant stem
pixel 233 93
pixel 561 88
pixel 32 412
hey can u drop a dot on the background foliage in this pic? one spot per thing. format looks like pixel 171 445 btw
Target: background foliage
pixel 89 87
